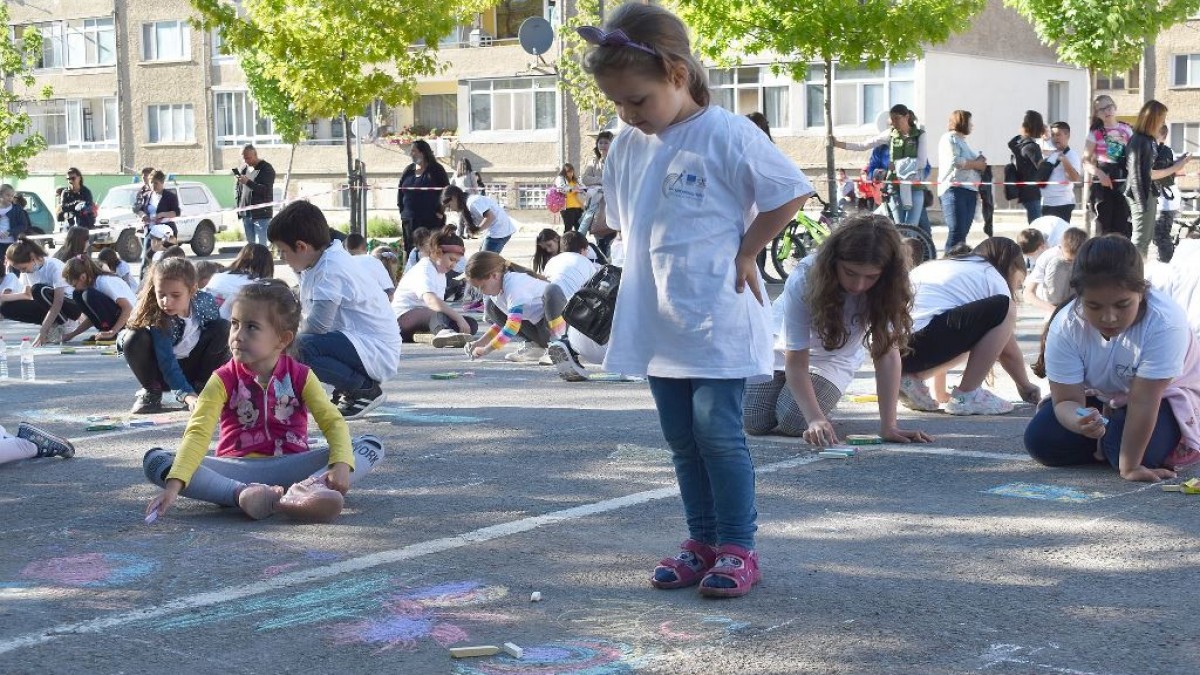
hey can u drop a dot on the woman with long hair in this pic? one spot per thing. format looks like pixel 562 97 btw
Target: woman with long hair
pixel 418 195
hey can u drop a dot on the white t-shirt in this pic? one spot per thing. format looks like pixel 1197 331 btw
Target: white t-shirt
pixel 942 285
pixel 50 274
pixel 126 275
pixel 1052 227
pixel 569 271
pixel 521 290
pixel 374 267
pixel 10 283
pixel 683 200
pixel 5 227
pixel 115 288
pixel 501 227
pixel 1038 274
pixel 363 314
pixel 224 287
pixel 191 337
pixel 1154 348
pixel 797 332
pixel 421 279
pixel 1183 280
pixel 1060 195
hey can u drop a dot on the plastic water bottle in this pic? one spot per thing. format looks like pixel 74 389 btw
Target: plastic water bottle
pixel 28 371
pixel 3 359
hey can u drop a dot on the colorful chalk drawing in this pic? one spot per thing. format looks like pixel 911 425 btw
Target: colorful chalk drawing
pixel 402 416
pixel 566 657
pixel 637 622
pixel 1051 493
pixel 91 570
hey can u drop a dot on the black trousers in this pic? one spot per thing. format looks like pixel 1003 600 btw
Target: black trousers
pixel 210 353
pixel 100 309
pixel 571 219
pixel 34 311
pixel 953 333
pixel 1111 210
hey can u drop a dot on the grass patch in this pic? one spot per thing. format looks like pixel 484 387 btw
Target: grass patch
pixel 230 235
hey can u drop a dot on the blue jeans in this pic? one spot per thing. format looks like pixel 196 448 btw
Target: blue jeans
pixel 958 210
pixel 912 214
pixel 256 230
pixel 334 359
pixel 701 420
pixel 495 244
pixel 1049 443
pixel 1033 210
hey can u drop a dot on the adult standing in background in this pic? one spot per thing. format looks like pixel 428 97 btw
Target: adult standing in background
pixel 958 163
pixel 142 198
pixel 907 159
pixel 420 192
pixel 1140 189
pixel 592 179
pixel 1104 158
pixel 14 222
pixel 76 207
pixel 255 185
pixel 1027 155
pixel 162 207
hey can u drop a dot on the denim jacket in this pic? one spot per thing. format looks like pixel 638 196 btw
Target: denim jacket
pixel 204 307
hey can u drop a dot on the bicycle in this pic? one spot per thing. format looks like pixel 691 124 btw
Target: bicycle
pixel 928 248
pixel 799 237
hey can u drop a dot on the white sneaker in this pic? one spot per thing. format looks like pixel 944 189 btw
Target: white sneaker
pixel 449 338
pixel 567 363
pixel 915 395
pixel 528 353
pixel 70 325
pixel 978 402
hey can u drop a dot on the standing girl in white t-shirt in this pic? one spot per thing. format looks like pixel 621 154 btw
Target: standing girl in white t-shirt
pixel 519 302
pixel 967 307
pixel 44 300
pixel 696 193
pixel 853 295
pixel 1124 372
pixel 420 300
pixel 106 300
pixel 479 213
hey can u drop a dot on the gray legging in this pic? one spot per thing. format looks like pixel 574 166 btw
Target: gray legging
pixel 218 479
pixel 553 300
pixel 770 407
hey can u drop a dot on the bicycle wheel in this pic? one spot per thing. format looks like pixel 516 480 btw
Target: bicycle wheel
pixel 786 256
pixel 928 248
pixel 765 269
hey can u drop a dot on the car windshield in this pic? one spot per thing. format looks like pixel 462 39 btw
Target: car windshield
pixel 116 199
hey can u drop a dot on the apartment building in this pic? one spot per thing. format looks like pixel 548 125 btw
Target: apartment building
pixel 136 85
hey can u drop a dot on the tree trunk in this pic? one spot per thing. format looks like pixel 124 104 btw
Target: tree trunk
pixel 1086 193
pixel 829 168
pixel 350 175
pixel 287 177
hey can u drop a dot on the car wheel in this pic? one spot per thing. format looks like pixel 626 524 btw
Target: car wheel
pixel 128 247
pixel 204 239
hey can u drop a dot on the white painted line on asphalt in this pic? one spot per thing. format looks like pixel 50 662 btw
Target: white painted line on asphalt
pixel 365 562
pixel 129 431
pixel 951 452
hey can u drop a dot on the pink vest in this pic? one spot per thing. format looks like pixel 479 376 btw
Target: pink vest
pixel 270 421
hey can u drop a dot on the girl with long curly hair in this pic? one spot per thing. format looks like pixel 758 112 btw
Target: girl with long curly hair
pixel 849 299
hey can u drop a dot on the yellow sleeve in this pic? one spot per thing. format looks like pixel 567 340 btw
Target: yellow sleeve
pixel 333 425
pixel 199 431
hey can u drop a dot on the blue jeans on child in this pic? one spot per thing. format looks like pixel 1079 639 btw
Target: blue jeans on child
pixel 1049 443
pixel 334 359
pixel 495 244
pixel 701 420
pixel 958 210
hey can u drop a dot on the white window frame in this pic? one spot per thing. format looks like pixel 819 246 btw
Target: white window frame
pixel 86 33
pixel 1191 72
pixel 39 112
pixel 512 96
pixel 1185 137
pixel 53 42
pixel 104 124
pixel 499 193
pixel 179 116
pixel 245 118
pixel 815 82
pixel 532 196
pixel 765 79
pixel 152 48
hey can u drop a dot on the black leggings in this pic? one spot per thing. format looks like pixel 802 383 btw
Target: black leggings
pixel 953 333
pixel 100 309
pixel 34 311
pixel 210 353
pixel 1111 209
pixel 571 219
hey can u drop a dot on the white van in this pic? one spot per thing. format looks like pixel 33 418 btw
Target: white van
pixel 198 223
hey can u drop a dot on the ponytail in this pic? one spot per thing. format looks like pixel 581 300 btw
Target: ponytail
pixel 453 194
pixel 485 263
pixel 24 250
pixel 83 267
pixel 447 236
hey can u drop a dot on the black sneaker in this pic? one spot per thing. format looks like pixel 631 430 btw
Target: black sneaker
pixel 48 445
pixel 147 403
pixel 566 361
pixel 355 404
pixel 337 397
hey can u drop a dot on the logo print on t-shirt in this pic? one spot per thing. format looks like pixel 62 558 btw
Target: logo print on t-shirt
pixel 686 185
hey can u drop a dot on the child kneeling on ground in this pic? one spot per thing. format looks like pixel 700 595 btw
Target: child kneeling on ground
pixel 420 299
pixel 260 400
pixel 104 298
pixel 519 302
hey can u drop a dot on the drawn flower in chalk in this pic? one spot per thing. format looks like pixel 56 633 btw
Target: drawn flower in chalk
pixel 1053 493
pixel 92 570
pixel 397 631
pixel 567 657
pixel 453 594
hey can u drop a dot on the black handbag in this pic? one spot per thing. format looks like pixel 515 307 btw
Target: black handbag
pixel 1011 176
pixel 590 311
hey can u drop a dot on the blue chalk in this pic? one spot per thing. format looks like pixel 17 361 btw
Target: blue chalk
pixel 1084 412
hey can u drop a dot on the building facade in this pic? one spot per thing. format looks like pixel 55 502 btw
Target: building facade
pixel 136 85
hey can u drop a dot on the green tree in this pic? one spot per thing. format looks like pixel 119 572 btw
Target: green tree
pixel 859 32
pixel 17 60
pixel 273 102
pixel 333 58
pixel 579 85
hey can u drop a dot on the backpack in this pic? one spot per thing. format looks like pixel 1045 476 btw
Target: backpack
pixel 590 311
pixel 1163 159
pixel 1058 280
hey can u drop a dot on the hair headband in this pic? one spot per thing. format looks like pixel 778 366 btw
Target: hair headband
pixel 614 38
pixel 452 248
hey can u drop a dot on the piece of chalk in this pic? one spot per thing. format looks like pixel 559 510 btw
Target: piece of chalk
pixel 445 376
pixel 864 398
pixel 513 650
pixel 834 453
pixel 863 439
pixel 142 423
pixel 151 517
pixel 1172 487
pixel 103 427
pixel 1084 412
pixel 67 350
pixel 535 596
pixel 467 652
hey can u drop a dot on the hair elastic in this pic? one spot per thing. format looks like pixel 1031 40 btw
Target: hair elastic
pixel 614 38
pixel 452 248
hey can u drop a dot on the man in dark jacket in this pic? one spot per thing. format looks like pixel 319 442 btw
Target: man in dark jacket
pixel 255 185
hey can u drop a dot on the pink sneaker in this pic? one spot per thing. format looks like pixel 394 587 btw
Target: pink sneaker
pixel 1182 456
pixel 734 574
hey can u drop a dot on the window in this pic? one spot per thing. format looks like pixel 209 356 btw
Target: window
pixel 52 45
pixel 239 122
pixel 752 89
pixel 498 192
pixel 166 41
pixel 1185 137
pixel 532 196
pixel 1056 104
pixel 814 95
pixel 192 196
pixel 860 94
pixel 1186 70
pixel 1126 81
pixel 510 14
pixel 85 124
pixel 90 42
pixel 170 124
pixel 49 118
pixel 517 104
pixel 437 111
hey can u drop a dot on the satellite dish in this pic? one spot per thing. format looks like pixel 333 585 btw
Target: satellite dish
pixel 361 127
pixel 536 35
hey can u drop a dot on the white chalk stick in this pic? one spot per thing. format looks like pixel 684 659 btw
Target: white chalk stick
pixel 513 650
pixel 535 596
pixel 151 517
pixel 467 652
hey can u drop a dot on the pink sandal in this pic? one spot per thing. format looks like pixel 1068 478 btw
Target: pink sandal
pixel 734 563
pixel 687 568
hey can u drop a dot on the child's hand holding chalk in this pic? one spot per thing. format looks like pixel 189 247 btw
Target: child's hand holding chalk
pixel 1091 423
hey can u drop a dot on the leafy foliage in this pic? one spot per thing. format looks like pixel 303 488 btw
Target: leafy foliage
pixel 17 60
pixel 581 87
